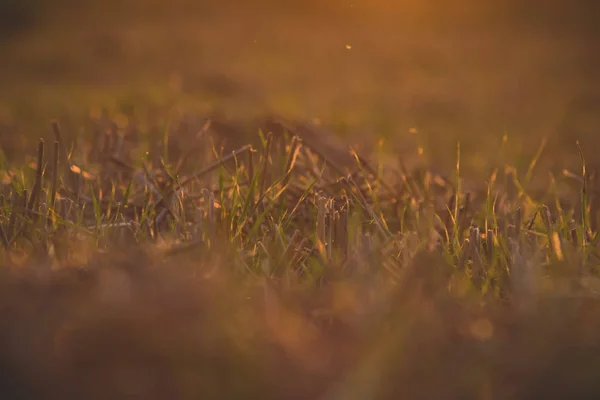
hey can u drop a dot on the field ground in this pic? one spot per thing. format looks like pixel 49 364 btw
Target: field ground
pixel 472 73
pixel 195 225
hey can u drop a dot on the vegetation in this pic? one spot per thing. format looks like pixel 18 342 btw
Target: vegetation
pixel 432 234
pixel 142 260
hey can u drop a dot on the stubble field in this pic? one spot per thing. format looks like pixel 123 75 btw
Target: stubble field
pixel 314 202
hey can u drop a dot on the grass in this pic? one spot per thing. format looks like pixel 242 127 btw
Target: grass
pixel 146 263
pixel 156 249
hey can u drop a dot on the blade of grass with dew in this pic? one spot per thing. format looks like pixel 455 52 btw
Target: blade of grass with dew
pixel 534 161
pixel 456 198
pixel 366 176
pixel 584 202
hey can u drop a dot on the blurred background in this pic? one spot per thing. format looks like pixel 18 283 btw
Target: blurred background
pixel 464 70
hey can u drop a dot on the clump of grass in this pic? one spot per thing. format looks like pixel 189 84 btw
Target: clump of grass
pixel 288 258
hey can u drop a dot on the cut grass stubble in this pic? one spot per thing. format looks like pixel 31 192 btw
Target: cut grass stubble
pixel 339 253
pixel 302 210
